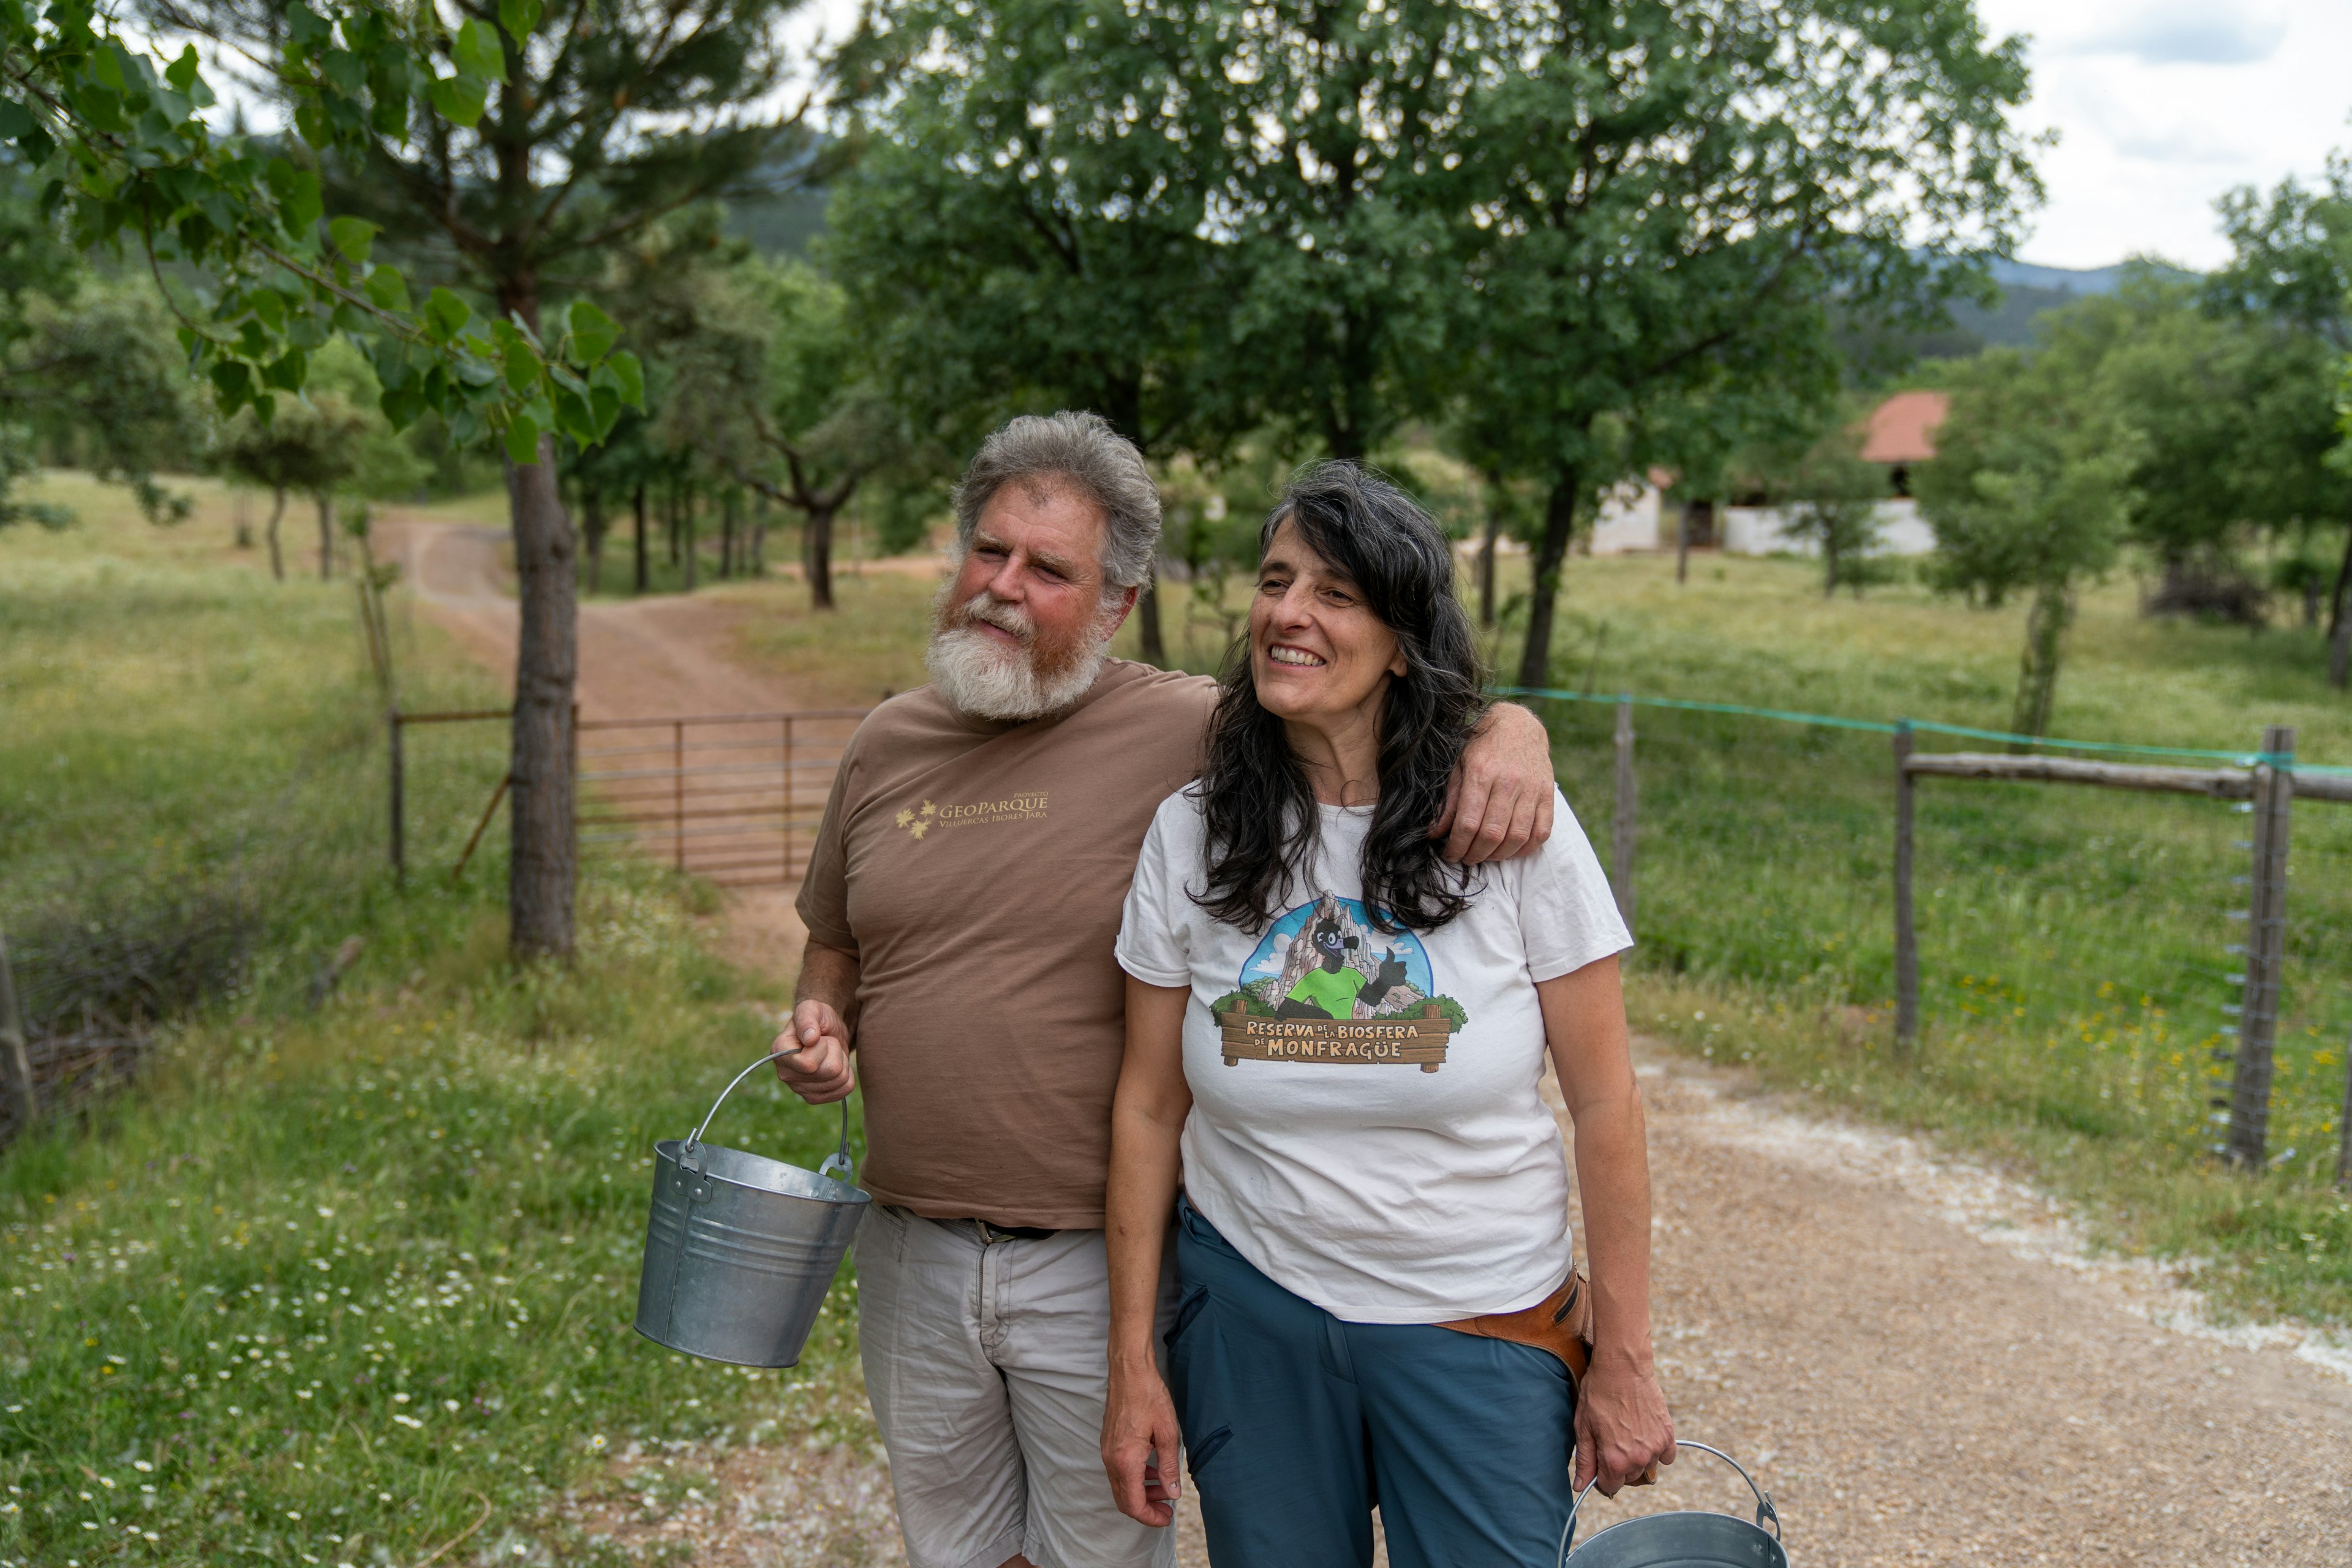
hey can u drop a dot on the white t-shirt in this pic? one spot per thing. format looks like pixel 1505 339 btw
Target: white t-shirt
pixel 1367 1128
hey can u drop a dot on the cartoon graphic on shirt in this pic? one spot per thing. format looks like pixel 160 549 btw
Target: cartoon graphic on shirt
pixel 1323 986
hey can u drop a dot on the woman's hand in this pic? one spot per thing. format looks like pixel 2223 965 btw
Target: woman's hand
pixel 1140 1446
pixel 1623 1430
pixel 1498 803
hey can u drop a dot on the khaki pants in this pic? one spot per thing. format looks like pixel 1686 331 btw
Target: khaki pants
pixel 987 1367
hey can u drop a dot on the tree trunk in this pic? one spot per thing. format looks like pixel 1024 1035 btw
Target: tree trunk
pixel 1487 565
pixel 591 518
pixel 2037 676
pixel 670 517
pixel 685 521
pixel 1147 621
pixel 816 556
pixel 544 868
pixel 728 538
pixel 1829 560
pixel 1560 527
pixel 15 1059
pixel 325 537
pixel 2339 622
pixel 758 533
pixel 276 515
pixel 637 503
pixel 244 519
pixel 1682 544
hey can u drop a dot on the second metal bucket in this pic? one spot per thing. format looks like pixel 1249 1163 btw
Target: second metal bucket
pixel 1682 1539
pixel 740 1250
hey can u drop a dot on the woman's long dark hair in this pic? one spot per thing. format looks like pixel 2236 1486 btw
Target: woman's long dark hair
pixel 1259 807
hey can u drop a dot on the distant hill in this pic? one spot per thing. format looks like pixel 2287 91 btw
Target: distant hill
pixel 2026 290
pixel 779 225
pixel 785 209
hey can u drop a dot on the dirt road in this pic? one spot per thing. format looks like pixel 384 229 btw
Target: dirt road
pixel 662 655
pixel 1917 1355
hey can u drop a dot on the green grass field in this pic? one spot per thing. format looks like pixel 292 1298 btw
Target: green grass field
pixel 330 1285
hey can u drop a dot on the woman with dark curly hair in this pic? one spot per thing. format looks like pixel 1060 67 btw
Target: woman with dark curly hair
pixel 1337 1039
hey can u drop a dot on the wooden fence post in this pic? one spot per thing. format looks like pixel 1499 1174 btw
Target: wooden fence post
pixel 1906 934
pixel 16 1062
pixel 2344 1129
pixel 2250 1090
pixel 399 779
pixel 788 797
pixel 1621 858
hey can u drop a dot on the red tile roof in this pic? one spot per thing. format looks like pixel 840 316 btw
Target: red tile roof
pixel 1902 429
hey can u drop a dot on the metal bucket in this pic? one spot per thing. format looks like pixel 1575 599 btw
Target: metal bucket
pixel 740 1250
pixel 1681 1540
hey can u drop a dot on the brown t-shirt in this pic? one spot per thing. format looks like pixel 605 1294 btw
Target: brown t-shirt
pixel 978 869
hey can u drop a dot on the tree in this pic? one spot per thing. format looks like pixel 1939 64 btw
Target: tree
pixel 1339 253
pixel 95 374
pixel 1667 196
pixel 331 439
pixel 595 126
pixel 1834 500
pixel 2030 491
pixel 309 447
pixel 88 364
pixel 113 140
pixel 767 387
pixel 2290 264
pixel 1028 224
pixel 116 141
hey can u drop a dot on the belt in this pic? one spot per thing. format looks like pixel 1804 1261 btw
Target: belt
pixel 991 1232
pixel 1562 1323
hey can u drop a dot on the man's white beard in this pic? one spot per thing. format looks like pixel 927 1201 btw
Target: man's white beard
pixel 981 678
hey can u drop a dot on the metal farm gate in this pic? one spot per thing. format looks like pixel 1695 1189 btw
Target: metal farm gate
pixel 733 798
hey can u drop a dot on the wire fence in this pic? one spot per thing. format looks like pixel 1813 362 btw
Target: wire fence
pixel 2099 955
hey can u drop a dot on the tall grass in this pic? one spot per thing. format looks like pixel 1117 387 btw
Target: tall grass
pixel 335 1284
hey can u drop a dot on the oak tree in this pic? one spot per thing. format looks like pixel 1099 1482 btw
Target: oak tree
pixel 1663 195
pixel 592 118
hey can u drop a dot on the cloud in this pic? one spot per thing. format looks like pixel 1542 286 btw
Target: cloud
pixel 2186 32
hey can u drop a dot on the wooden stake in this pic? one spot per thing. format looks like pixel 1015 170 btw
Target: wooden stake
pixel 2344 1129
pixel 1907 935
pixel 396 805
pixel 1621 859
pixel 16 1062
pixel 2250 1090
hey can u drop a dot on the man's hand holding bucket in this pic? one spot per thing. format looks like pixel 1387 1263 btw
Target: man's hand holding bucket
pixel 819 1070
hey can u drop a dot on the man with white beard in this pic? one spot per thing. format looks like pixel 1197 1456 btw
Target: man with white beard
pixel 961 903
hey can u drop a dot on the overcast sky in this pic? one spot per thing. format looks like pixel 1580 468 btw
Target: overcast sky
pixel 2162 105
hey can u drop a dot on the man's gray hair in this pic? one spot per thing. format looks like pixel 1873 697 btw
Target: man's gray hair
pixel 1083 451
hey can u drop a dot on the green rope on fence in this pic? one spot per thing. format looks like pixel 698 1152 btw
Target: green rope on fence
pixel 1875 726
pixel 1882 727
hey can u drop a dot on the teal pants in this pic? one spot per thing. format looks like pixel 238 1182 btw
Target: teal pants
pixel 1296 1425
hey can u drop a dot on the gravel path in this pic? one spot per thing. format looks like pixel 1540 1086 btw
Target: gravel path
pixel 1916 1357
pixel 1923 1371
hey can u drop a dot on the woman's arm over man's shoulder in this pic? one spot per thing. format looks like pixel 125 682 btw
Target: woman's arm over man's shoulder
pixel 1498 805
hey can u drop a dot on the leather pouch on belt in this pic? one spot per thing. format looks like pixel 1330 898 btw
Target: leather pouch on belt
pixel 1562 1323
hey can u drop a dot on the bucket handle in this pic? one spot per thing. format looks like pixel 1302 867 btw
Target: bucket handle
pixel 1765 1512
pixel 838 1166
